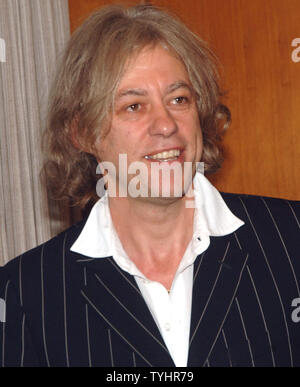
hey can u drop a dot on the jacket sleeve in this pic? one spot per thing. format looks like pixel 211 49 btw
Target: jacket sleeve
pixel 16 347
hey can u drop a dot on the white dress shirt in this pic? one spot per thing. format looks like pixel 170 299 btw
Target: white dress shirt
pixel 171 311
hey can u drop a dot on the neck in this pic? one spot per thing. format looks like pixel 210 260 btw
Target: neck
pixel 154 234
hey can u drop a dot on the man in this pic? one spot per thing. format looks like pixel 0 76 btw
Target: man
pixel 165 270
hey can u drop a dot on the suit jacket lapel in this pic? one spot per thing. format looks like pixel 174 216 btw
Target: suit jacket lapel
pixel 217 274
pixel 116 298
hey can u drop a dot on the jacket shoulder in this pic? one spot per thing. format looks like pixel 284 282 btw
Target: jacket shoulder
pixel 259 207
pixel 50 253
pixel 271 231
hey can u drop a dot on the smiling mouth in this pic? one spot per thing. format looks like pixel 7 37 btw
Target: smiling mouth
pixel 165 156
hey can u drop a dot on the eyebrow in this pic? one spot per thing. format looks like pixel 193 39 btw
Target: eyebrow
pixel 179 85
pixel 142 92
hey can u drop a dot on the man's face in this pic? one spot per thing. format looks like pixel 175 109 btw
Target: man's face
pixel 154 112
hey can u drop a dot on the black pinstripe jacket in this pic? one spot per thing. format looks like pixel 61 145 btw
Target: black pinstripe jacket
pixel 64 309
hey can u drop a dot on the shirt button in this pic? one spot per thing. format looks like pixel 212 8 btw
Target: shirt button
pixel 167 326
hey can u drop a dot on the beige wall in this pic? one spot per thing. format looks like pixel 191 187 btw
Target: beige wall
pixel 253 40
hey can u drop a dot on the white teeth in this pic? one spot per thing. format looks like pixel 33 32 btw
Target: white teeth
pixel 165 155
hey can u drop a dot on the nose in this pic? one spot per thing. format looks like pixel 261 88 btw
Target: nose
pixel 163 123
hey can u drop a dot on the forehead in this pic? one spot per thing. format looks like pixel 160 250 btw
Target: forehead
pixel 156 64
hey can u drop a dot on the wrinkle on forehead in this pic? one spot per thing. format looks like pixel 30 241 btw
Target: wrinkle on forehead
pixel 136 61
pixel 145 50
pixel 142 60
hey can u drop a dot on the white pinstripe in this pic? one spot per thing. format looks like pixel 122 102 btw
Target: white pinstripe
pixel 274 281
pixel 23 341
pixel 284 246
pixel 238 242
pixel 226 345
pixel 263 316
pixel 43 307
pixel 245 332
pixel 110 348
pixel 211 293
pixel 20 280
pixel 132 315
pixel 134 361
pixel 198 268
pixel 130 283
pixel 228 309
pixel 117 268
pixel 115 329
pixel 88 334
pixel 289 204
pixel 87 322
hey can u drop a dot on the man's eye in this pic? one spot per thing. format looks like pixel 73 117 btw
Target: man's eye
pixel 134 107
pixel 180 100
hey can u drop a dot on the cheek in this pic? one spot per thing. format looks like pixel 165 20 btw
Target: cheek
pixel 114 144
pixel 198 140
pixel 200 137
pixel 105 150
pixel 198 146
pixel 197 132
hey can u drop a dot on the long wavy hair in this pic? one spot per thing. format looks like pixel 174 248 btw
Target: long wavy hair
pixel 83 92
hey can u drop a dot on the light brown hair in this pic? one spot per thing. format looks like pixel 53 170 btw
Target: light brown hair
pixel 83 92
